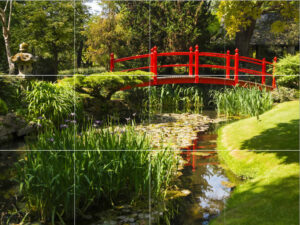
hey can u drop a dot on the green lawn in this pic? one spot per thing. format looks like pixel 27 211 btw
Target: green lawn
pixel 270 195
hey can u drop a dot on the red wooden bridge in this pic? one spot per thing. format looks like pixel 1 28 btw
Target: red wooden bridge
pixel 194 66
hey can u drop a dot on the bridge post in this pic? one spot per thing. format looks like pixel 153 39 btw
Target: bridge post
pixel 263 72
pixel 236 67
pixel 191 62
pixel 228 64
pixel 196 64
pixel 151 60
pixel 112 62
pixel 274 71
pixel 155 64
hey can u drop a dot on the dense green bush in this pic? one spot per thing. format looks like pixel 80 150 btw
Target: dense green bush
pixel 240 101
pixel 13 90
pixel 102 177
pixel 51 103
pixel 104 85
pixel 288 65
pixel 3 107
pixel 83 71
pixel 282 94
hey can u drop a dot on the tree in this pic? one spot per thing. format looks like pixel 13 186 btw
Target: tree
pixel 48 28
pixel 239 18
pixel 6 22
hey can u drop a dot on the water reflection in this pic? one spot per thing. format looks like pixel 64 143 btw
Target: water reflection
pixel 203 176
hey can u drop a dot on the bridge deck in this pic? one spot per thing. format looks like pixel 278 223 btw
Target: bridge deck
pixel 186 79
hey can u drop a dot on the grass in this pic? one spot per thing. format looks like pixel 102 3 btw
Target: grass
pixel 270 193
pixel 240 101
pixel 103 178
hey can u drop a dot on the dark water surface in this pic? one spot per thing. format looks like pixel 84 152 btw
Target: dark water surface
pixel 205 178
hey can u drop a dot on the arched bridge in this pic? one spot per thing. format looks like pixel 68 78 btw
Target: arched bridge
pixel 232 64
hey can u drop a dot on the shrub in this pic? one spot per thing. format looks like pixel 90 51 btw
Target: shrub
pixel 47 177
pixel 51 101
pixel 288 65
pixel 13 90
pixel 282 94
pixel 3 107
pixel 83 71
pixel 240 101
pixel 166 98
pixel 104 85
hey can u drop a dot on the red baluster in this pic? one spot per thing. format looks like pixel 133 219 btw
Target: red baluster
pixel 196 64
pixel 191 62
pixel 228 64
pixel 236 67
pixel 155 64
pixel 263 72
pixel 112 65
pixel 274 71
pixel 151 60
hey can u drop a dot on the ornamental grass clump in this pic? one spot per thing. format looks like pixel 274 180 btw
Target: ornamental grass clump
pixel 240 101
pixel 174 97
pixel 82 165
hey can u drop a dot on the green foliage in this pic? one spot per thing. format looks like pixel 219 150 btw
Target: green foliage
pixel 101 177
pixel 240 101
pixel 3 107
pixel 104 85
pixel 174 97
pixel 282 94
pixel 13 90
pixel 238 15
pixel 48 28
pixel 83 71
pixel 288 65
pixel 51 101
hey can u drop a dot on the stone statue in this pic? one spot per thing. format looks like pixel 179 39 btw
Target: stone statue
pixel 24 60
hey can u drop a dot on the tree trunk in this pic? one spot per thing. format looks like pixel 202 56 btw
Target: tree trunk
pixel 8 53
pixel 79 54
pixel 243 37
pixel 6 33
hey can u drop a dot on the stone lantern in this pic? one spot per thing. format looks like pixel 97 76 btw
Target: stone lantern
pixel 24 60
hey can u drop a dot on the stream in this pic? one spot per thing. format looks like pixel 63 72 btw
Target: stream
pixel 203 176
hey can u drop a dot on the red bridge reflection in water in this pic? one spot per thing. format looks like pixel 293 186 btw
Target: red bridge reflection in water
pixel 201 152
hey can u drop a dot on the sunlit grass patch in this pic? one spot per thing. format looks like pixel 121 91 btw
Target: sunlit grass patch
pixel 270 195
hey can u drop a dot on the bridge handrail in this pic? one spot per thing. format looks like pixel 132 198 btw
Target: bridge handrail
pixel 194 63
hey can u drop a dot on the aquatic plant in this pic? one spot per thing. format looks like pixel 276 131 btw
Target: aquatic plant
pixel 175 98
pixel 52 101
pixel 82 170
pixel 240 101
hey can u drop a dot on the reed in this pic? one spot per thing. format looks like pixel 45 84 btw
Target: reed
pixel 240 101
pixel 174 98
pixel 50 179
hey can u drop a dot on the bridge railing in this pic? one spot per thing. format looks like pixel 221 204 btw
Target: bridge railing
pixel 194 65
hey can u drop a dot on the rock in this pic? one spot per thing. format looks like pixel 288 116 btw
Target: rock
pixel 12 125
